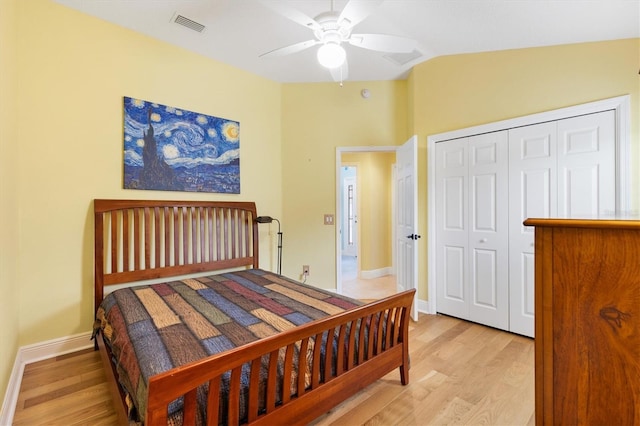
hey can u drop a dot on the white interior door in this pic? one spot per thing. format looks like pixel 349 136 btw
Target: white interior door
pixel 407 218
pixel 564 168
pixel 489 230
pixel 586 166
pixel 472 229
pixel 452 219
pixel 532 193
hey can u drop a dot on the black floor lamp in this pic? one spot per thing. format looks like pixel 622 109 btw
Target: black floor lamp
pixel 269 219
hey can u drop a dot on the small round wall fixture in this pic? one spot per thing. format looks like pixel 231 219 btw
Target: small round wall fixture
pixel 365 93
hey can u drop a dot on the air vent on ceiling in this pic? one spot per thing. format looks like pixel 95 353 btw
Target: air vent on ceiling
pixel 402 58
pixel 189 23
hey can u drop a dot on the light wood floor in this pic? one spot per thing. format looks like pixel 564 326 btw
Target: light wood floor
pixel 66 390
pixel 375 288
pixel 461 374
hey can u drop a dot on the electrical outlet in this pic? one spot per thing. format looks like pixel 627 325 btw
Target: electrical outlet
pixel 305 270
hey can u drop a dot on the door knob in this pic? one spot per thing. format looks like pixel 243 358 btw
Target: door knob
pixel 413 236
pixel 483 240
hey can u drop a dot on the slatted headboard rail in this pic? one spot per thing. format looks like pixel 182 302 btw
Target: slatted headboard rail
pixel 138 240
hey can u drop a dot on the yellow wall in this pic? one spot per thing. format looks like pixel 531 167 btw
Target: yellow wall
pixel 318 118
pixel 453 92
pixel 74 72
pixel 374 207
pixel 9 243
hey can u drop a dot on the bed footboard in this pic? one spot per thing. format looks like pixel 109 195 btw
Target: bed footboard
pixel 344 354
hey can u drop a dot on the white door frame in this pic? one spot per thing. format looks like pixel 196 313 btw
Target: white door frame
pixel 338 221
pixel 620 104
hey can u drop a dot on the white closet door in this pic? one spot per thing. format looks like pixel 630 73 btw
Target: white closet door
pixel 532 193
pixel 586 166
pixel 472 234
pixel 557 169
pixel 452 235
pixel 489 229
pixel 565 168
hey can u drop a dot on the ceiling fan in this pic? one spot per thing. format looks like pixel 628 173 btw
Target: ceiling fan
pixel 332 29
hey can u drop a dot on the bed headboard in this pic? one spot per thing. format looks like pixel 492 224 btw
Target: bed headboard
pixel 138 240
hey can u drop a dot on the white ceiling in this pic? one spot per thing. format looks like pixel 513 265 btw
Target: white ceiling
pixel 238 31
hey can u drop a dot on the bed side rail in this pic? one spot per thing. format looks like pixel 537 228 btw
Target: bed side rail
pixel 344 353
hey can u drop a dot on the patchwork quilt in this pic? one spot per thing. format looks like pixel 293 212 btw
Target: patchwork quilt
pixel 154 328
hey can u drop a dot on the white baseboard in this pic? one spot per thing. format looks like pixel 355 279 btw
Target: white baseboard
pixel 50 348
pixel 424 306
pixel 34 353
pixel 11 395
pixel 376 273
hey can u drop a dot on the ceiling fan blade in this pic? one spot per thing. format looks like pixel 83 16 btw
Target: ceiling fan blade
pixel 292 14
pixel 341 73
pixel 288 50
pixel 383 43
pixel 355 11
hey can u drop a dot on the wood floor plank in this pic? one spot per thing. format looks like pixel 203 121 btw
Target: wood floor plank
pixel 362 413
pixel 61 391
pixel 40 375
pixel 65 405
pixel 102 412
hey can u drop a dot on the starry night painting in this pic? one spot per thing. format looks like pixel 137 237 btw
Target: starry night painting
pixel 172 149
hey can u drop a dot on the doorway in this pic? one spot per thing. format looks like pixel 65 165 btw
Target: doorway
pixel 350 210
pixel 365 207
pixel 349 224
pixel 390 190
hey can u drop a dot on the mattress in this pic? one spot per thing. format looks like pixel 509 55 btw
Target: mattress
pixel 154 328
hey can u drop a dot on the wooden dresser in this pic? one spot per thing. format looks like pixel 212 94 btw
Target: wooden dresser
pixel 587 321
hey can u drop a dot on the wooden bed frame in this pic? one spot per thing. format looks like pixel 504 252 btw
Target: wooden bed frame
pixel 137 240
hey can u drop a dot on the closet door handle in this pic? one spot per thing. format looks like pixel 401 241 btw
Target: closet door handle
pixel 483 240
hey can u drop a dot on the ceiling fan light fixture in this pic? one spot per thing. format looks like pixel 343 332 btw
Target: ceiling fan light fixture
pixel 331 55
